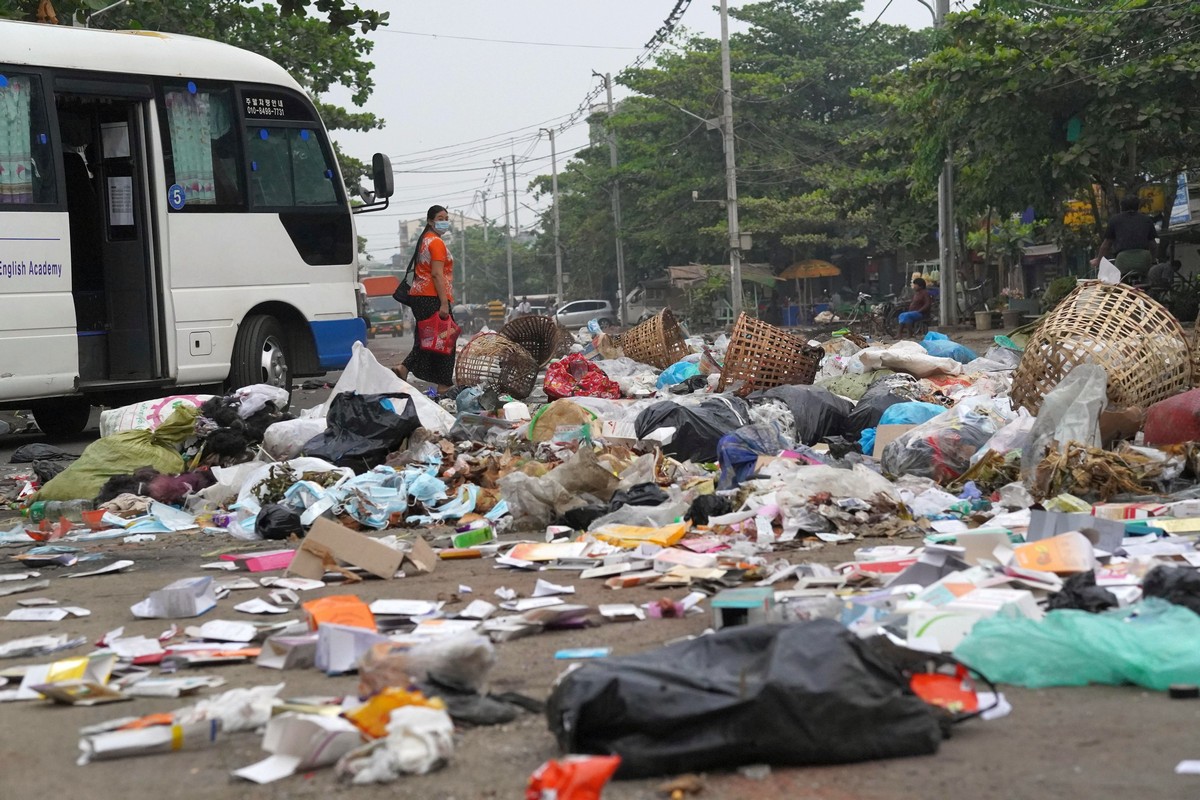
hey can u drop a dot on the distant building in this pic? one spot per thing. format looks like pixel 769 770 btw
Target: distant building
pixel 409 228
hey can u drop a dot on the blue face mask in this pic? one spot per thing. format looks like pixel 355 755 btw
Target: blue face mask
pixel 441 225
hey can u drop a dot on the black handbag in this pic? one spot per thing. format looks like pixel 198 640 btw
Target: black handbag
pixel 401 295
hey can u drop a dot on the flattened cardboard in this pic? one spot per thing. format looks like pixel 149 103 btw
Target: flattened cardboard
pixel 421 556
pixel 344 545
pixel 1046 524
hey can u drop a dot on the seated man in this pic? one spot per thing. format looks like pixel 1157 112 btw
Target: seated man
pixel 917 309
pixel 1162 276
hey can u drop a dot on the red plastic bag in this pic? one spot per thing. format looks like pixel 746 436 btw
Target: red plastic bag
pixel 572 778
pixel 575 376
pixel 438 335
pixel 1175 420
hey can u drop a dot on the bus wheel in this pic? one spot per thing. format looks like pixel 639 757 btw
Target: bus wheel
pixel 62 418
pixel 260 354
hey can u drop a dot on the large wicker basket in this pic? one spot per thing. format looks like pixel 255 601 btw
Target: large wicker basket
pixel 762 356
pixel 493 360
pixel 1138 342
pixel 1194 343
pixel 538 335
pixel 659 341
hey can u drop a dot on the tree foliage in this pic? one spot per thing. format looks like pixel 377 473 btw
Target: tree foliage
pixel 816 176
pixel 1040 105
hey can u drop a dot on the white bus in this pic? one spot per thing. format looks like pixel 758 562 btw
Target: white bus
pixel 171 215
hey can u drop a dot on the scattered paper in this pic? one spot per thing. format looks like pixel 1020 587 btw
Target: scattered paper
pixel 259 606
pixel 505 593
pixel 546 589
pixel 18 588
pixel 116 566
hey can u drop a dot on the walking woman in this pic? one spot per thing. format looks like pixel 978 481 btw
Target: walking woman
pixel 431 293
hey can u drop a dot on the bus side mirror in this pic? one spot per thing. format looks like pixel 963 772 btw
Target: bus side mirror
pixel 384 185
pixel 381 173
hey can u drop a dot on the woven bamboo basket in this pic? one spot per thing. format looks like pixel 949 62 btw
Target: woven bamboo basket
pixel 1141 346
pixel 496 361
pixel 762 356
pixel 659 341
pixel 538 335
pixel 1195 345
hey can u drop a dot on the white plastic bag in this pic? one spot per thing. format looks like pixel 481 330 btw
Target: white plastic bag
pixel 365 375
pixel 252 399
pixel 284 440
pixel 419 740
pixel 1070 412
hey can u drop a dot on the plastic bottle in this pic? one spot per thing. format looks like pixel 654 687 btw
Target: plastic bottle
pixel 54 510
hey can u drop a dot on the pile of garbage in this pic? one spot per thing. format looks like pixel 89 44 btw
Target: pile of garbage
pixel 982 544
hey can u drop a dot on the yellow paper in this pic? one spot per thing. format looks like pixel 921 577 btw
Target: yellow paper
pixel 631 535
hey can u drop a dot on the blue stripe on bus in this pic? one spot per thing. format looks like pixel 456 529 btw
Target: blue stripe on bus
pixel 335 340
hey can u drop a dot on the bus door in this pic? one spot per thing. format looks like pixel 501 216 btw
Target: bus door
pixel 102 129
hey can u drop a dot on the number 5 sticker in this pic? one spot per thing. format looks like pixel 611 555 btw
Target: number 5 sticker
pixel 176 197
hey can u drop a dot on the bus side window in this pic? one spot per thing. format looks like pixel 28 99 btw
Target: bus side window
pixel 288 167
pixel 204 150
pixel 26 160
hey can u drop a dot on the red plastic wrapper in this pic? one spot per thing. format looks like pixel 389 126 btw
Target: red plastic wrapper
pixel 572 778
pixel 438 335
pixel 575 376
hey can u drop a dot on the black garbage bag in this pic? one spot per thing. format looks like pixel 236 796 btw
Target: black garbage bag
pixel 363 429
pixel 580 518
pixel 708 505
pixel 786 695
pixel 1178 585
pixel 46 471
pixel 818 411
pixel 868 411
pixel 1081 592
pixel 278 522
pixel 39 451
pixel 643 494
pixel 697 428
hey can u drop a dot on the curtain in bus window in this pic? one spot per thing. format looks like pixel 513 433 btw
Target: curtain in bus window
pixel 16 141
pixel 191 122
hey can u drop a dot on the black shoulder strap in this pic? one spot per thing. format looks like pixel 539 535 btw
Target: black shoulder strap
pixel 412 262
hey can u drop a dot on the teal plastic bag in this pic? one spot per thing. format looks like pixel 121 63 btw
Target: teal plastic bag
pixel 940 345
pixel 913 413
pixel 678 372
pixel 1152 644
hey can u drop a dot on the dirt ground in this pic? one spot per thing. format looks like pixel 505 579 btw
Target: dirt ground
pixel 1069 743
pixel 1063 743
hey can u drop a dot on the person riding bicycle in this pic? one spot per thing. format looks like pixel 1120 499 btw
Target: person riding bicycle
pixel 917 309
pixel 1130 237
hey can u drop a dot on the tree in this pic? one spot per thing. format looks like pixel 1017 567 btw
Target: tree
pixel 319 42
pixel 1040 105
pixel 816 174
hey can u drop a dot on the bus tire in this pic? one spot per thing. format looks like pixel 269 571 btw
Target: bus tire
pixel 62 418
pixel 260 354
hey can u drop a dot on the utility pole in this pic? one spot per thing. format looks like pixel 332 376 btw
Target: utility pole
pixel 558 283
pixel 507 231
pixel 616 202
pixel 483 196
pixel 731 207
pixel 462 229
pixel 516 225
pixel 946 239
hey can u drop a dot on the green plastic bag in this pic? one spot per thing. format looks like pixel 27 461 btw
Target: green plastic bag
pixel 122 454
pixel 1152 644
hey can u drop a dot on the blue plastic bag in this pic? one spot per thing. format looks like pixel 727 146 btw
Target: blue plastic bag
pixel 738 452
pixel 939 344
pixel 913 413
pixel 678 372
pixel 1151 644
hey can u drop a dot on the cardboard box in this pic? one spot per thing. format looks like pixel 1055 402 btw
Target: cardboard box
pixel 1046 524
pixel 886 434
pixel 327 539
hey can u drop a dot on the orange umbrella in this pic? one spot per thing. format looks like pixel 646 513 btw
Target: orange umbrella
pixel 810 268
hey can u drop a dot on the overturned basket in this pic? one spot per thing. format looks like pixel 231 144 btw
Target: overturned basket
pixel 1194 343
pixel 762 356
pixel 539 335
pixel 496 361
pixel 1139 343
pixel 659 341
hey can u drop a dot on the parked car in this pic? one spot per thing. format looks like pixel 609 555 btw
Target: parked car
pixel 578 313
pixel 385 317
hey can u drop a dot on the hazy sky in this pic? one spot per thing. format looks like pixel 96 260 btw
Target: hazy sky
pixel 455 105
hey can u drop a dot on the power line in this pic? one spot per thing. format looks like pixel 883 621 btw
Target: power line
pixel 510 41
pixel 1075 10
